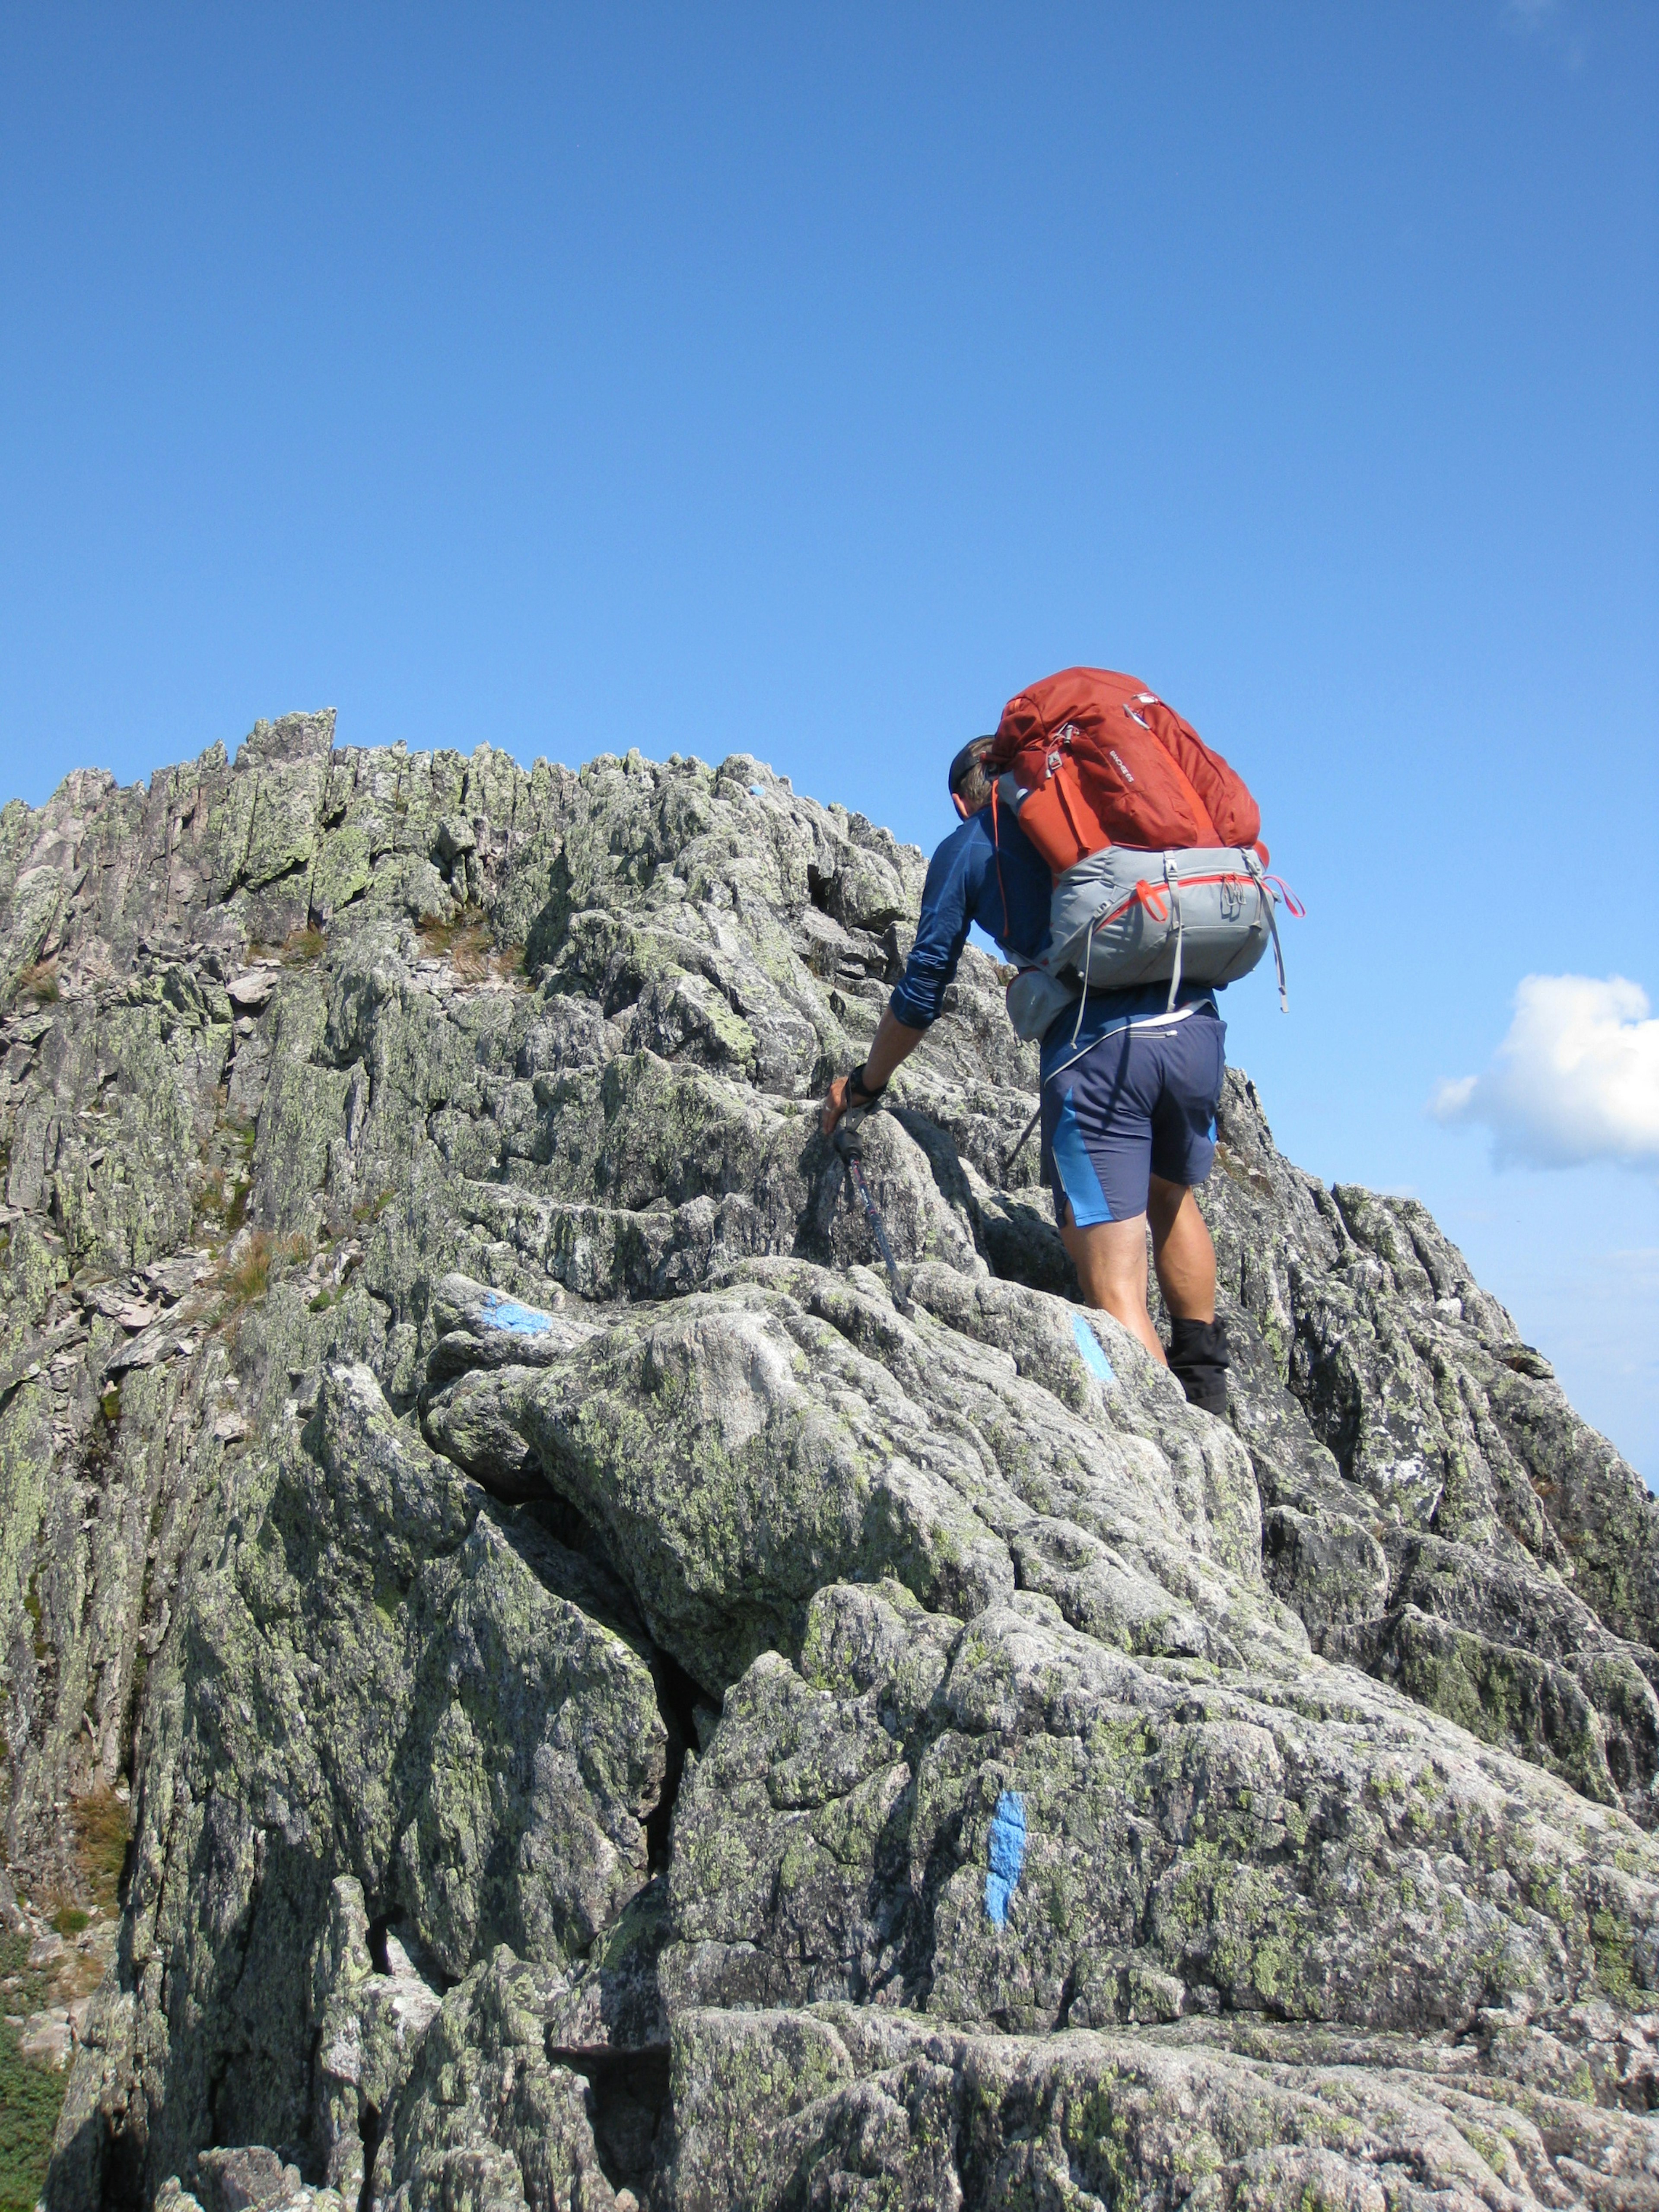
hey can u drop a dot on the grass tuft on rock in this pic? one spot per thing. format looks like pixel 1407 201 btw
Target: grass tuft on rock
pixel 40 983
pixel 243 1276
pixel 469 945
pixel 243 1279
pixel 103 1825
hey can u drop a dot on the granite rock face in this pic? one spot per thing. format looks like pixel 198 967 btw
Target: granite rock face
pixel 616 1711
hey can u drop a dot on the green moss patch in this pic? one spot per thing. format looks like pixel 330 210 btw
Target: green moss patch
pixel 30 2093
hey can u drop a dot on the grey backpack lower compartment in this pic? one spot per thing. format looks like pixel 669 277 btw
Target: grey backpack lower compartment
pixel 1199 916
pixel 1135 917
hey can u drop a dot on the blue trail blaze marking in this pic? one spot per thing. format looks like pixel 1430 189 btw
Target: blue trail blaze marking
pixel 508 1313
pixel 1088 1345
pixel 1008 1853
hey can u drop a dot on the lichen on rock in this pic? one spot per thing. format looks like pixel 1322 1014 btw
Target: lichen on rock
pixel 573 1646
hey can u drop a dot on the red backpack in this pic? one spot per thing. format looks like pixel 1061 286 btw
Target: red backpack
pixel 1097 759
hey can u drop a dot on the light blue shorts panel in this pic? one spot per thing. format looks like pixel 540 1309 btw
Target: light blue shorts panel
pixel 1075 1169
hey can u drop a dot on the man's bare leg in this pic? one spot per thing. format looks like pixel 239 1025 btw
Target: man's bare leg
pixel 1110 1259
pixel 1182 1251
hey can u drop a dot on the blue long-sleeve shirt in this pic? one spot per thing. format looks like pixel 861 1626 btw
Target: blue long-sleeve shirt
pixel 1004 884
pixel 1004 887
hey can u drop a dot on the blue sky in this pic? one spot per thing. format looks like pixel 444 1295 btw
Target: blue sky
pixel 805 381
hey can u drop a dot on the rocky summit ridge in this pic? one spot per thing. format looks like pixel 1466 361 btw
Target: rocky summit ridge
pixel 597 1708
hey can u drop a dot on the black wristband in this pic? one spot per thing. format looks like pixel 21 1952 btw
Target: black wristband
pixel 856 1082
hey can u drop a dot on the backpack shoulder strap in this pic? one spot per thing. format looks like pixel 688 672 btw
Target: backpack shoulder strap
pixel 996 853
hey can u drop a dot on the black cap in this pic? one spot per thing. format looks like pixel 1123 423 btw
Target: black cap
pixel 963 761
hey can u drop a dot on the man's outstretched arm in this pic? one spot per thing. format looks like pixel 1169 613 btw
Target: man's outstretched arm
pixel 892 1044
pixel 954 876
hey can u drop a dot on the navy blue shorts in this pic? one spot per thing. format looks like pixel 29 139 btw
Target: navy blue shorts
pixel 1139 1104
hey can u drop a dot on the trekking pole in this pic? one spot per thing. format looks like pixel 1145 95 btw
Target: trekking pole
pixel 1019 1146
pixel 850 1146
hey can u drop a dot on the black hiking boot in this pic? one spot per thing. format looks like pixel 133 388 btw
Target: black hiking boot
pixel 1198 1360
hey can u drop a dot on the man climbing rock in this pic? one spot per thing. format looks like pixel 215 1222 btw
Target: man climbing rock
pixel 1129 1090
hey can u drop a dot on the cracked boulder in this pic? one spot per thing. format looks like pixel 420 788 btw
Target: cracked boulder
pixel 388 1684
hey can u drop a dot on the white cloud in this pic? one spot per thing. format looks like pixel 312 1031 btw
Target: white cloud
pixel 1576 1078
pixel 1546 22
